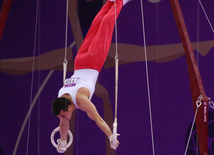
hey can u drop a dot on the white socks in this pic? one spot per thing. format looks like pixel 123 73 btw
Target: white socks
pixel 124 1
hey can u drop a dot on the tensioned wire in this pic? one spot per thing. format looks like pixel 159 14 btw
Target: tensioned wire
pixel 198 28
pixel 33 67
pixel 202 7
pixel 116 82
pixel 147 78
pixel 116 63
pixel 65 63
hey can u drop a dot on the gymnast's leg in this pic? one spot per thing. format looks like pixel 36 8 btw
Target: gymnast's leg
pixel 94 50
pixel 101 43
pixel 83 51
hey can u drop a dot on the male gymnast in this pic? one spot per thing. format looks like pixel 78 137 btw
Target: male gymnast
pixel 79 88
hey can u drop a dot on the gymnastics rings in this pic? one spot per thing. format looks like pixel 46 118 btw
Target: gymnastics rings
pixel 52 138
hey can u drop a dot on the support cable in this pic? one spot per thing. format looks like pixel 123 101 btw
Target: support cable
pixel 65 63
pixel 147 78
pixel 32 77
pixel 198 104
pixel 116 84
pixel 206 16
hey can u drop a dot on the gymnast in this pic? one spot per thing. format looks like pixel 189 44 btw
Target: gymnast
pixel 79 88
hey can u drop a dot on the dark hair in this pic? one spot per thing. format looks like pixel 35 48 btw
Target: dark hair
pixel 59 104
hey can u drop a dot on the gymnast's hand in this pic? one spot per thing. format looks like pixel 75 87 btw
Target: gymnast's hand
pixel 61 148
pixel 111 142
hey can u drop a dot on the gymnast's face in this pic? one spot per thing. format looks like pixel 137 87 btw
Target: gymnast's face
pixel 65 114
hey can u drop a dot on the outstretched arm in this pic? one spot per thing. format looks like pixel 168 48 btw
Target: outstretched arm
pixel 93 115
pixel 62 142
pixel 64 126
pixel 86 105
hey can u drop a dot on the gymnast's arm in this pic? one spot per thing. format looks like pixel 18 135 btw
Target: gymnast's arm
pixel 86 105
pixel 64 126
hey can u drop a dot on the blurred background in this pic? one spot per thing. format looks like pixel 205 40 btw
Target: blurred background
pixel 32 48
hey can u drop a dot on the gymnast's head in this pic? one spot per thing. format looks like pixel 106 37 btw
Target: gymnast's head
pixel 61 107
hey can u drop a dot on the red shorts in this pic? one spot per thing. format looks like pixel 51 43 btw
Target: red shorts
pixel 94 49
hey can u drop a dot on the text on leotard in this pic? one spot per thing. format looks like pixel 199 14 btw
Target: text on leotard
pixel 71 81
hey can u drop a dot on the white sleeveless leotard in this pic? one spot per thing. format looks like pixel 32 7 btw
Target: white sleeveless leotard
pixel 81 78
